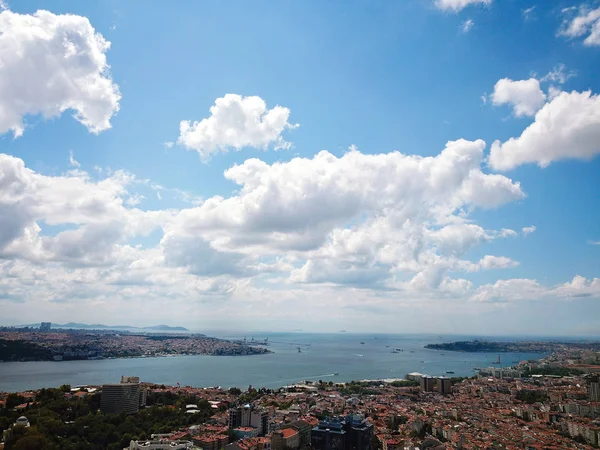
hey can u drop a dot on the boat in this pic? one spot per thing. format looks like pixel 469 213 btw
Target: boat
pixel 498 360
pixel 335 374
pixel 299 351
pixel 449 371
pixel 362 342
pixel 477 368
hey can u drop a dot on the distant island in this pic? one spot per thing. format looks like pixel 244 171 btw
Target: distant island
pixel 99 326
pixel 481 346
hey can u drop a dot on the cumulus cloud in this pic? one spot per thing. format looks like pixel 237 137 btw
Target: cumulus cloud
pixel 525 96
pixel 359 218
pixel 385 230
pixel 236 122
pixel 524 289
pixel 567 127
pixel 528 230
pixel 459 5
pixel 95 211
pixel 51 64
pixel 496 262
pixel 586 22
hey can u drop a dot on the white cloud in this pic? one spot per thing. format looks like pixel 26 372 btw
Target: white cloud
pixel 525 96
pixel 527 12
pixel 595 242
pixel 72 161
pixel 370 235
pixel 168 144
pixel 567 127
pixel 497 262
pixel 558 74
pixel 50 64
pixel 528 230
pixel 467 25
pixel 459 5
pixel 579 287
pixel 356 218
pixel 236 122
pixel 586 22
pixel 530 290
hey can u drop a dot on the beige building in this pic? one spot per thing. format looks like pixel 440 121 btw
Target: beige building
pixel 288 438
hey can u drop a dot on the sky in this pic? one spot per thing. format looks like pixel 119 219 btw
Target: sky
pixel 408 166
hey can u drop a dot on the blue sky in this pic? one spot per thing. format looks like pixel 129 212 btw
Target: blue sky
pixel 152 222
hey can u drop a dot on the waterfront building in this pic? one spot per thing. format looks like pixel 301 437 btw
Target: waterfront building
pixel 414 376
pixel 124 397
pixel 45 326
pixel 444 385
pixel 427 383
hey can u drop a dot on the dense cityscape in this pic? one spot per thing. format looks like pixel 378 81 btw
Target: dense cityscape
pixel 300 225
pixel 31 344
pixel 551 403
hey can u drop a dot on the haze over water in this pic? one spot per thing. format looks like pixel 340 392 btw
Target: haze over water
pixel 320 356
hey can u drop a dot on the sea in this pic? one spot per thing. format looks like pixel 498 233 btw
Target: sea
pixel 296 357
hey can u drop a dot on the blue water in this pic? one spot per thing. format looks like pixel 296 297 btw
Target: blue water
pixel 321 355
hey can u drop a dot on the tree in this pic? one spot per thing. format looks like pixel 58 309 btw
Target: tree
pixel 13 400
pixel 34 442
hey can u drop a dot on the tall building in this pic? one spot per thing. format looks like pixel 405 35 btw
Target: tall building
pixel 328 435
pixel 359 433
pixel 259 419
pixel 594 388
pixel 352 432
pixel 248 416
pixel 124 397
pixel 235 418
pixel 444 385
pixel 427 383
pixel 45 326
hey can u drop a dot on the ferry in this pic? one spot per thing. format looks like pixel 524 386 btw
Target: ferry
pixel 449 371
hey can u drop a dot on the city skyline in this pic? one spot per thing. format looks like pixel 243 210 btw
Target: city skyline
pixel 428 166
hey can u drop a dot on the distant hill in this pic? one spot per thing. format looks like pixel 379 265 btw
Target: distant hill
pixel 99 326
